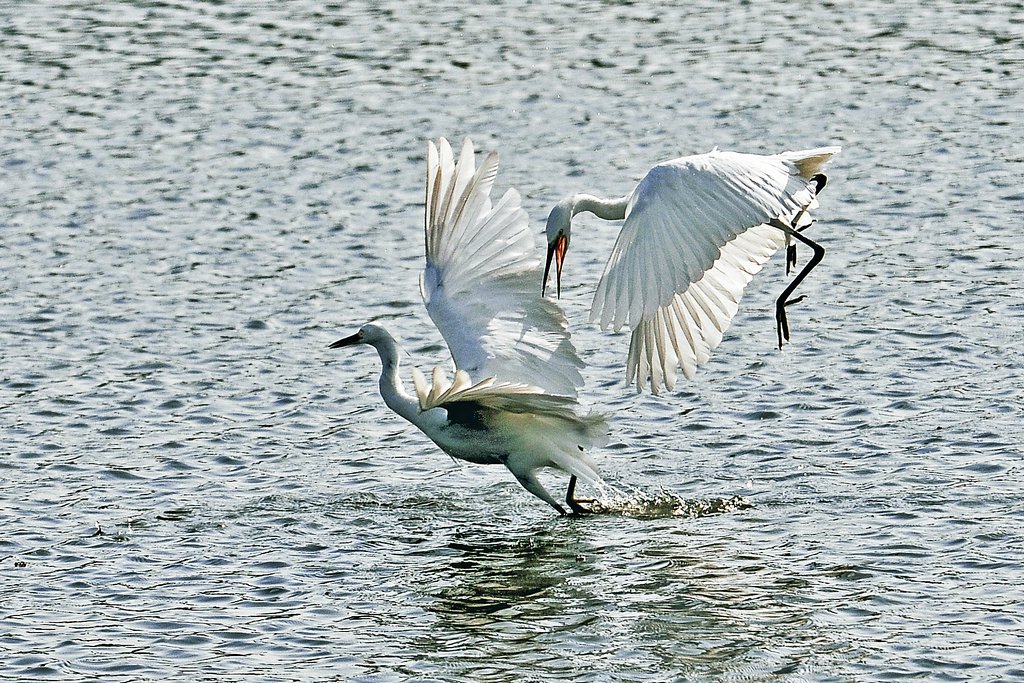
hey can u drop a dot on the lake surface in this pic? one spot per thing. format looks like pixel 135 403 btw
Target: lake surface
pixel 198 197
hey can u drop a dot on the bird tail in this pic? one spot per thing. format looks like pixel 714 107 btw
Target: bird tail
pixel 810 161
pixel 557 441
pixel 570 453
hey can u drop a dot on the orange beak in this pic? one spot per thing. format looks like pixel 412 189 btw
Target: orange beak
pixel 556 249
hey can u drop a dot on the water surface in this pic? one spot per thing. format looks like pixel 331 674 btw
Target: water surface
pixel 198 198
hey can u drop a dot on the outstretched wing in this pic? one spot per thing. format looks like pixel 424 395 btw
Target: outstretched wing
pixel 693 237
pixel 514 398
pixel 507 397
pixel 479 282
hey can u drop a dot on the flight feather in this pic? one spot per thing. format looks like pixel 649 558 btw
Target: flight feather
pixel 694 235
pixel 479 279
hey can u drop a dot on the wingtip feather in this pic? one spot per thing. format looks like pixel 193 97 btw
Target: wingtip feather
pixel 482 266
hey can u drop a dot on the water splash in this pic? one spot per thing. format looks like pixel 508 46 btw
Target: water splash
pixel 664 503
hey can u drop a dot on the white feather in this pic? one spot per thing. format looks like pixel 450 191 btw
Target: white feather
pixel 512 400
pixel 479 282
pixel 693 237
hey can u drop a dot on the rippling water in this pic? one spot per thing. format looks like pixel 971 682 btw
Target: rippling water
pixel 198 197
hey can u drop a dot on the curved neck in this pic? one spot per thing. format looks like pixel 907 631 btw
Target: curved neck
pixel 608 209
pixel 391 388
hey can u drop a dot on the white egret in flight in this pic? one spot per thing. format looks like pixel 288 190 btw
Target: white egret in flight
pixel 696 230
pixel 513 399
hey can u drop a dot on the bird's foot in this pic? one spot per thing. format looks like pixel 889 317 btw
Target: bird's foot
pixel 781 321
pixel 576 504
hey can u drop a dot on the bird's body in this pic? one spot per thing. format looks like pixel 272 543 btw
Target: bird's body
pixel 513 398
pixel 696 231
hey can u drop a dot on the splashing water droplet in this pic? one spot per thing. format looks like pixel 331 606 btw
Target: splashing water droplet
pixel 664 503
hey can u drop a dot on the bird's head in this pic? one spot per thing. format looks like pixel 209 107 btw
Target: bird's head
pixel 557 231
pixel 368 334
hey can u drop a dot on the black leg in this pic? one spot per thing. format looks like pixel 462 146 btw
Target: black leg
pixel 570 498
pixel 819 182
pixel 781 320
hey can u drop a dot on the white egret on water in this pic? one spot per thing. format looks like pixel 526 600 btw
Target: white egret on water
pixel 513 399
pixel 696 230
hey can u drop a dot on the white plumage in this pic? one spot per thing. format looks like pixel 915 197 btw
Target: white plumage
pixel 696 231
pixel 513 398
pixel 479 280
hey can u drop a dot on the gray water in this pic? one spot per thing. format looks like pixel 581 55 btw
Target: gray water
pixel 198 197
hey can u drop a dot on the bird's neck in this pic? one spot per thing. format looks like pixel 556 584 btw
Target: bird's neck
pixel 391 387
pixel 607 209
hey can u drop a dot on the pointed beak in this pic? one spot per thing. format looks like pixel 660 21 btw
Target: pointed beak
pixel 556 249
pixel 347 341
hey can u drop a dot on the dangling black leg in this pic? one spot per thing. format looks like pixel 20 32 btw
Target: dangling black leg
pixel 781 320
pixel 819 181
pixel 570 499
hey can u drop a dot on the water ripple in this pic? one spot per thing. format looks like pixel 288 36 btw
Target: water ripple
pixel 200 197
